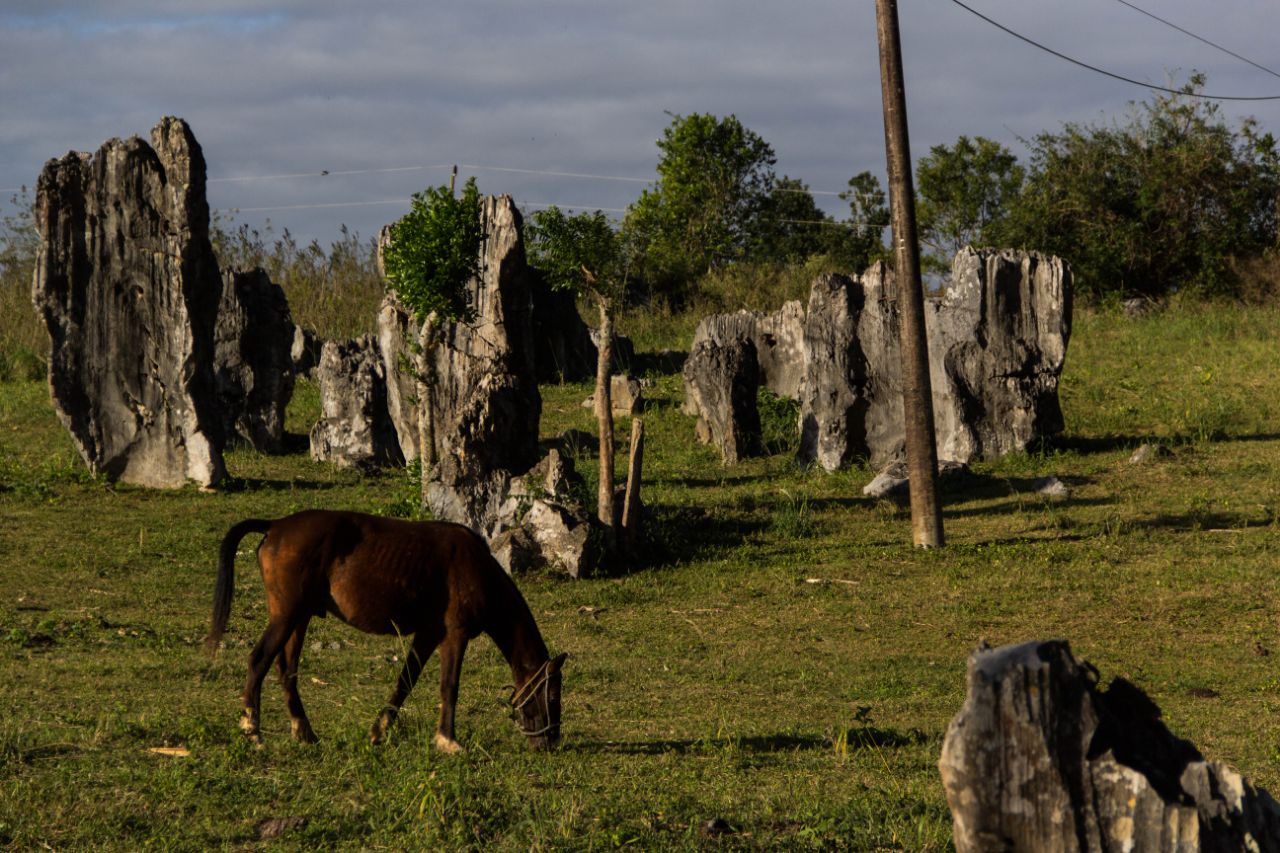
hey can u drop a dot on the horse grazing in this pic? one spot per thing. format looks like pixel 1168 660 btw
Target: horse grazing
pixel 434 580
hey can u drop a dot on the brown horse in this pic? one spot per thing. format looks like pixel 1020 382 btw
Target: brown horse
pixel 434 580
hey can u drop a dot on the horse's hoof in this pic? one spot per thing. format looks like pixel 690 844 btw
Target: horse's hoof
pixel 375 736
pixel 447 745
pixel 303 733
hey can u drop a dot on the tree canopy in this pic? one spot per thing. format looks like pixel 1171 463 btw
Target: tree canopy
pixel 435 251
pixel 715 178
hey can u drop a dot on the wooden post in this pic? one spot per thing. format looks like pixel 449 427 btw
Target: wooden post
pixel 917 395
pixel 604 416
pixel 453 180
pixel 631 502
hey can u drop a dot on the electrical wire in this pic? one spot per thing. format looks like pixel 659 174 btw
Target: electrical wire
pixel 1112 74
pixel 1199 38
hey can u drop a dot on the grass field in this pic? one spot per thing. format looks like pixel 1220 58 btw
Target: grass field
pixel 712 681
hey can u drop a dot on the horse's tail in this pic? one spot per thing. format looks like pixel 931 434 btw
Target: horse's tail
pixel 226 577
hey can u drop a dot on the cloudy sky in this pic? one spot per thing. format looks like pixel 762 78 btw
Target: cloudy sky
pixel 385 96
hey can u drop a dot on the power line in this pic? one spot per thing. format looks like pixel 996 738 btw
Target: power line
pixel 320 174
pixel 1112 74
pixel 1199 38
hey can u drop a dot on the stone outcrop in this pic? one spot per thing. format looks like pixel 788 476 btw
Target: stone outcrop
pixel 543 524
pixel 1040 758
pixel 778 338
pixel 396 331
pixel 997 344
pixel 305 352
pixel 354 429
pixel 253 365
pixel 486 404
pixel 128 287
pixel 721 380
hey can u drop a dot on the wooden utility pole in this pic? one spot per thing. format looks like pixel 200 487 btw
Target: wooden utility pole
pixel 917 394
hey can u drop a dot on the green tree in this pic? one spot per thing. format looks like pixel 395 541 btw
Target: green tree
pixel 1162 201
pixel 963 192
pixel 584 253
pixel 715 179
pixel 792 228
pixel 861 242
pixel 432 255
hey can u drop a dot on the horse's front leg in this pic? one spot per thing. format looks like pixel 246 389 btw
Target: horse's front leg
pixel 424 643
pixel 451 652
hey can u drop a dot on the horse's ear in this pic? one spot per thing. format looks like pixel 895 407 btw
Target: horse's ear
pixel 557 662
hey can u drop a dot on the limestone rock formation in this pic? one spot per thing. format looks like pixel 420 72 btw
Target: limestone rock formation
pixel 486 404
pixel 997 344
pixel 778 339
pixel 565 347
pixel 721 380
pixel 305 352
pixel 543 523
pixel 354 429
pixel 396 331
pixel 253 365
pixel 128 287
pixel 851 396
pixel 1039 758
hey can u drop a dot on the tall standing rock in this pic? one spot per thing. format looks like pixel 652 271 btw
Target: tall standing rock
pixel 396 332
pixel 128 287
pixel 1040 758
pixel 253 362
pixel 486 403
pixel 354 429
pixel 721 380
pixel 778 339
pixel 997 344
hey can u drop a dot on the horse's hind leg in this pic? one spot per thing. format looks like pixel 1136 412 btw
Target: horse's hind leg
pixel 287 663
pixel 451 652
pixel 424 643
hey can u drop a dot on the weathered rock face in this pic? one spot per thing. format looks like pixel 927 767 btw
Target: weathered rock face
pixel 1040 759
pixel 127 284
pixel 354 428
pixel 777 337
pixel 396 331
pixel 486 403
pixel 542 522
pixel 305 352
pixel 253 365
pixel 721 380
pixel 997 343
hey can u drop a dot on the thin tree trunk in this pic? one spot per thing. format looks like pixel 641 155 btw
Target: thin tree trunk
pixel 604 413
pixel 424 384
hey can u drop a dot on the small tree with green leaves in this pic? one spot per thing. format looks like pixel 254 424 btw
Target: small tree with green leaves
pixel 966 191
pixel 584 253
pixel 433 254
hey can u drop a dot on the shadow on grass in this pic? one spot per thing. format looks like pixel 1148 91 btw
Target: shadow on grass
pixel 679 534
pixel 255 484
pixel 1205 522
pixel 861 737
pixel 1086 445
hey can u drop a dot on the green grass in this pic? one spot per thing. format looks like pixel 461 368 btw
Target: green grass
pixel 712 680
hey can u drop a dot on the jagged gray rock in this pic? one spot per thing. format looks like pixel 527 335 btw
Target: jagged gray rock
pixel 305 352
pixel 721 380
pixel 354 429
pixel 543 523
pixel 396 332
pixel 778 338
pixel 128 287
pixel 997 343
pixel 626 396
pixel 486 404
pixel 253 366
pixel 1040 759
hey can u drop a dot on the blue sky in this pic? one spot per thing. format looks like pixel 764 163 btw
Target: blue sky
pixel 392 93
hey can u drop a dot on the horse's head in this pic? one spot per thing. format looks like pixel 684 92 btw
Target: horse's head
pixel 537 705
